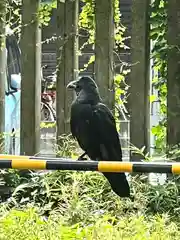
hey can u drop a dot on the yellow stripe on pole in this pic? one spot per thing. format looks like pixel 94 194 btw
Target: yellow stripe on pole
pixel 28 164
pixel 13 157
pixel 115 166
pixel 176 168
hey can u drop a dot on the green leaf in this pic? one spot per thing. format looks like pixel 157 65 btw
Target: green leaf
pixel 152 98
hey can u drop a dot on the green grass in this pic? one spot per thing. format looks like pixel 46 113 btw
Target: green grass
pixel 80 196
pixel 82 206
pixel 28 225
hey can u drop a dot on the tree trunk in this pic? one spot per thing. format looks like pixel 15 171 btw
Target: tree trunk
pixel 67 59
pixel 3 79
pixel 31 78
pixel 104 43
pixel 173 80
pixel 139 78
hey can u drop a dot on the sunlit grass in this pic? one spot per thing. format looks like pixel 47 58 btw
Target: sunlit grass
pixel 29 225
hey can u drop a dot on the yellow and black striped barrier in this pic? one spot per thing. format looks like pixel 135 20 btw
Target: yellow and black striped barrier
pixel 25 162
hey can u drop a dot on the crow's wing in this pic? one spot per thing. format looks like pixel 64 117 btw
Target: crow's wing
pixel 110 147
pixel 95 129
pixel 81 123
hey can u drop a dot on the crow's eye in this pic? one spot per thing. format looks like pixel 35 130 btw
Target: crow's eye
pixel 78 88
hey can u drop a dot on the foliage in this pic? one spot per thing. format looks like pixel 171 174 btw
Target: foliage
pixel 14 14
pixel 29 225
pixel 159 54
pixel 87 20
pixel 1 143
pixel 45 12
pixel 78 196
pixel 159 131
pixel 87 26
pixel 68 146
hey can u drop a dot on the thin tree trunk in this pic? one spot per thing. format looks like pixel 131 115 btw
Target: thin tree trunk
pixel 104 43
pixel 173 80
pixel 31 78
pixel 67 59
pixel 139 104
pixel 2 70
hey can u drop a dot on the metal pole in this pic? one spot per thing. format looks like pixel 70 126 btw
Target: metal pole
pixel 27 162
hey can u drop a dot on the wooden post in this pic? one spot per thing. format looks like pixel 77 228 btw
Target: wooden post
pixel 67 59
pixel 31 78
pixel 173 80
pixel 139 78
pixel 104 43
pixel 2 68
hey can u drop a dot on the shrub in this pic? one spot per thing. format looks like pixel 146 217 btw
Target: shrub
pixel 29 225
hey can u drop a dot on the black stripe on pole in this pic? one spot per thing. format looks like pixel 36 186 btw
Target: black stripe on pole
pixel 72 165
pixel 152 168
pixel 5 163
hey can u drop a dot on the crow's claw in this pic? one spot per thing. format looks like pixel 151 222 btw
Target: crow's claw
pixel 82 159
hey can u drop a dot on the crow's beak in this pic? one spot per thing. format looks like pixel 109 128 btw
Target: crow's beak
pixel 72 85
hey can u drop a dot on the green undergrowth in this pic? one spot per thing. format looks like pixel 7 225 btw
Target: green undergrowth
pixel 29 225
pixel 83 196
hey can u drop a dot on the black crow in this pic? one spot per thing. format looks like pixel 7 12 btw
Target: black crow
pixel 94 127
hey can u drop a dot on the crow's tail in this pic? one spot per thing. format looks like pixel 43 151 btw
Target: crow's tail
pixel 119 183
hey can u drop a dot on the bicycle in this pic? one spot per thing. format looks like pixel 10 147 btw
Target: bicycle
pixel 48 112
